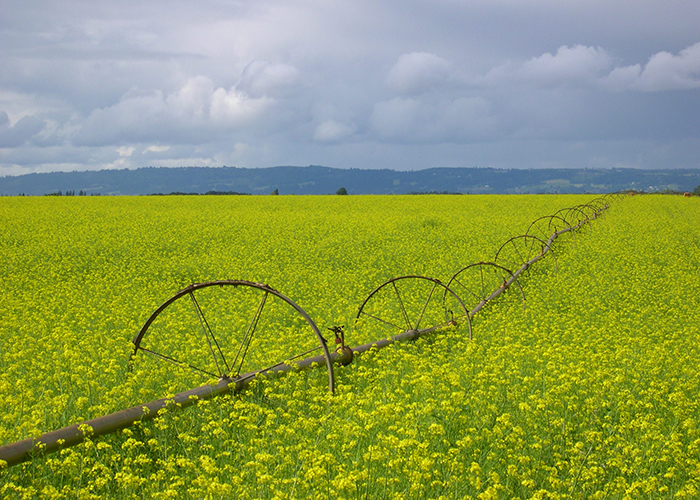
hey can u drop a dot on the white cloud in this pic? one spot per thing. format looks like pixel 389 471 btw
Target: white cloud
pixel 331 131
pixel 666 71
pixel 594 67
pixel 156 149
pixel 572 65
pixel 233 108
pixel 193 100
pixel 125 151
pixel 262 78
pixel 190 114
pixel 622 78
pixel 418 72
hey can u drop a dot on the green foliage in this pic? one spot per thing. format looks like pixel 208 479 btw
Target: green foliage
pixel 342 191
pixel 696 191
pixel 322 180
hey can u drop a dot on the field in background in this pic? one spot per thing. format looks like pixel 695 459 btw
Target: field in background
pixel 590 391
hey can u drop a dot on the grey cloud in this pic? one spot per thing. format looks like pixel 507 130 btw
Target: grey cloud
pixel 18 134
pixel 443 120
pixel 261 82
pixel 555 96
pixel 577 66
pixel 135 118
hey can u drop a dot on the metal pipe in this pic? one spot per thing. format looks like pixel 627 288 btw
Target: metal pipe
pixel 21 451
pixel 72 435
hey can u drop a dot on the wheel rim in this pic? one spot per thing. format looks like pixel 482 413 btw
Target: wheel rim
pixel 230 329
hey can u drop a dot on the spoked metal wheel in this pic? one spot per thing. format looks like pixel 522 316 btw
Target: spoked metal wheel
pixel 617 195
pixel 544 227
pixel 599 204
pixel 591 211
pixel 231 330
pixel 409 304
pixel 521 250
pixel 482 282
pixel 575 216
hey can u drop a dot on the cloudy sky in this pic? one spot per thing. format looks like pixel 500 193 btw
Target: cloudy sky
pixel 401 84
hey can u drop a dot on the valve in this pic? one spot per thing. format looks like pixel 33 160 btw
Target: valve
pixel 345 353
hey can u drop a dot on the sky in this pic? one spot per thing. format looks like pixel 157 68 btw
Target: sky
pixel 399 84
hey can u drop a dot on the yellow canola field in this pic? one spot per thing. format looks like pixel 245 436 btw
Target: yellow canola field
pixel 589 392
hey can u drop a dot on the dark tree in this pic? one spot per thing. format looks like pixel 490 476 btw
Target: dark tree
pixel 275 192
pixel 341 191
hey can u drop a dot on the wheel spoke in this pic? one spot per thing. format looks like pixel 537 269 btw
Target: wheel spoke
pixel 301 354
pixel 517 251
pixel 381 320
pixel 248 337
pixel 211 332
pixel 483 287
pixel 207 332
pixel 403 309
pixel 430 296
pixel 467 289
pixel 176 362
pixel 532 247
pixel 252 374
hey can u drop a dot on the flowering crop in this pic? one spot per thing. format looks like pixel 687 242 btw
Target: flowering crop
pixel 590 392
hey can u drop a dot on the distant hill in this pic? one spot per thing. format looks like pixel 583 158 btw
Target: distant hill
pixel 325 180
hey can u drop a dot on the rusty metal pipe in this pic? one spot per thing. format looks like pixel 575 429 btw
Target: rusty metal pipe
pixel 53 441
pixel 72 435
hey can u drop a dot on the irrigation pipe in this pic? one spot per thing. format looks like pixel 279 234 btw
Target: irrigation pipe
pixel 22 451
